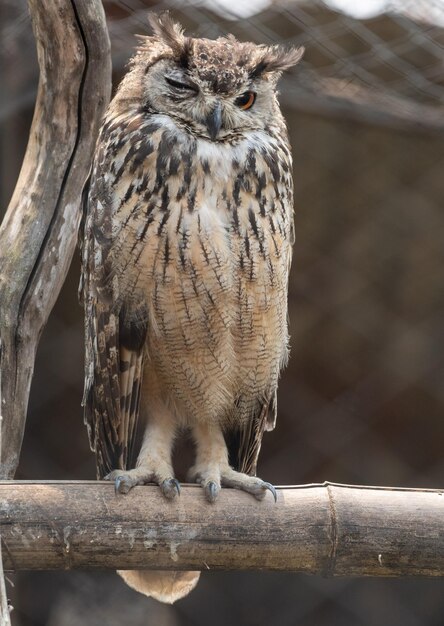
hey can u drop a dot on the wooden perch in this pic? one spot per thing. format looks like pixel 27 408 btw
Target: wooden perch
pixel 328 529
pixel 39 231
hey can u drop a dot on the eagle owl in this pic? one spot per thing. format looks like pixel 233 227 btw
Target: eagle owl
pixel 188 233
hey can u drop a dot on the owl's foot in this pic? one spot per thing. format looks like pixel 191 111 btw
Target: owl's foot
pixel 212 478
pixel 212 470
pixel 125 480
pixel 251 484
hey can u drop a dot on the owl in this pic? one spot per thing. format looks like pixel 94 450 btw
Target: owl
pixel 187 244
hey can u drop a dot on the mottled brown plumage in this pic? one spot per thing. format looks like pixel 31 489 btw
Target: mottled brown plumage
pixel 187 248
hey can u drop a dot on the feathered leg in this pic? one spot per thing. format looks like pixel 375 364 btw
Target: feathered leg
pixel 212 469
pixel 154 465
pixel 154 460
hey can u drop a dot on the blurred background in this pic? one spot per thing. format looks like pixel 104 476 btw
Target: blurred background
pixel 362 399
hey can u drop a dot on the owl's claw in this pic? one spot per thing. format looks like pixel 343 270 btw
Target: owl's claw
pixel 271 488
pixel 170 488
pixel 117 483
pixel 252 484
pixel 211 490
pixel 125 480
pixel 122 483
pixel 212 481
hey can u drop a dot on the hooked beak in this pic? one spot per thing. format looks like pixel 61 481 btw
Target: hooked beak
pixel 213 121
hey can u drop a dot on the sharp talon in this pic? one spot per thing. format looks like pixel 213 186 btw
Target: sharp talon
pixel 270 487
pixel 211 491
pixel 170 488
pixel 117 484
pixel 123 484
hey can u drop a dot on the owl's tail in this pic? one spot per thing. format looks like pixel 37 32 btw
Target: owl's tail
pixel 164 586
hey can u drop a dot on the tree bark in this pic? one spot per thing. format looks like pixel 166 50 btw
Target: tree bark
pixel 328 529
pixel 39 232
pixel 5 618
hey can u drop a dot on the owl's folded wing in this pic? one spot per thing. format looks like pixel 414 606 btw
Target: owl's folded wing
pixel 113 351
pixel 244 441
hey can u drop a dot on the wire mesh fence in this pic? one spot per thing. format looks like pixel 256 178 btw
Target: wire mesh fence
pixel 362 400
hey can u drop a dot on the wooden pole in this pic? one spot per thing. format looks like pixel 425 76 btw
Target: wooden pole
pixel 327 529
pixel 39 232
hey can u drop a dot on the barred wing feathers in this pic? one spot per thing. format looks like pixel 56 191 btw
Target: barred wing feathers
pixel 113 346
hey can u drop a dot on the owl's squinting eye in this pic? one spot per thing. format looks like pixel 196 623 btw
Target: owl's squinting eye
pixel 246 100
pixel 179 85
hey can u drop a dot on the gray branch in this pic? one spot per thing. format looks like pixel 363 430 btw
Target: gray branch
pixel 39 232
pixel 328 529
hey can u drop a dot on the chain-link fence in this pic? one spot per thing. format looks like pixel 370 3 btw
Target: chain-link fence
pixel 362 400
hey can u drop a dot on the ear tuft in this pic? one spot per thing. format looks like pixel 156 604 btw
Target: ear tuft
pixel 276 59
pixel 171 33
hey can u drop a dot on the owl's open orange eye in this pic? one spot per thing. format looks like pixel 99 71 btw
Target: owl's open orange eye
pixel 246 100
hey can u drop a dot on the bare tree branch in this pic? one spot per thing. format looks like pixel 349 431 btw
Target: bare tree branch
pixel 328 529
pixel 39 232
pixel 5 619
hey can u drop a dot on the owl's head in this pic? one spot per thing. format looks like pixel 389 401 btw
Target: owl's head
pixel 216 89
